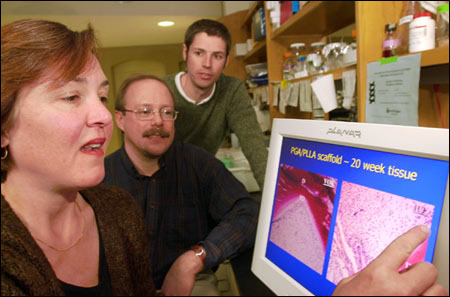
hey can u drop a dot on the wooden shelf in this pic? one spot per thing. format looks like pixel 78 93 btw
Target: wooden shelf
pixel 258 53
pixel 435 56
pixel 337 74
pixel 318 18
pixel 251 12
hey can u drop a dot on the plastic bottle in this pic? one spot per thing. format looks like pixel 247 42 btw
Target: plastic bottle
pixel 301 70
pixel 299 50
pixel 442 25
pixel 421 33
pixel 289 65
pixel 349 51
pixel 402 33
pixel 390 43
pixel 353 44
pixel 315 60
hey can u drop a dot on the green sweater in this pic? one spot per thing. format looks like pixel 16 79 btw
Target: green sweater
pixel 229 110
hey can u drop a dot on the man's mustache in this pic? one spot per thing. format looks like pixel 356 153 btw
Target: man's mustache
pixel 155 131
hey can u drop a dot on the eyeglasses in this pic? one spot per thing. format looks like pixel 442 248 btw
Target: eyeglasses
pixel 146 114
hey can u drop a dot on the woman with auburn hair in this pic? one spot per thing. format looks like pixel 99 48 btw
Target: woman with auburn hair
pixel 62 233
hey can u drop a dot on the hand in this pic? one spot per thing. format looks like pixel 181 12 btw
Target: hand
pixel 180 279
pixel 381 276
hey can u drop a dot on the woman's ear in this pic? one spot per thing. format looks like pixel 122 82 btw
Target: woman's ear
pixel 5 139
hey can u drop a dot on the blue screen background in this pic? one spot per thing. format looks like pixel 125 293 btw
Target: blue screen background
pixel 429 187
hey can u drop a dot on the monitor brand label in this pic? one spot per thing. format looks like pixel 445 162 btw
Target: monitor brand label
pixel 342 132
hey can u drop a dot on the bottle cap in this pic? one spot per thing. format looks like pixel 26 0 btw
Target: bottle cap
pixel 300 44
pixel 390 27
pixel 443 8
pixel 422 14
pixel 318 44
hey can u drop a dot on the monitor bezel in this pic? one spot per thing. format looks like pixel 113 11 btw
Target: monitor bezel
pixel 414 141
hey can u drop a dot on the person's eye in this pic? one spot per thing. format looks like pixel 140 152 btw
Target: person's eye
pixel 198 53
pixel 219 57
pixel 104 99
pixel 72 98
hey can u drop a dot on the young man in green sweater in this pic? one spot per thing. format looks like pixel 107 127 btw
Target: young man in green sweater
pixel 212 104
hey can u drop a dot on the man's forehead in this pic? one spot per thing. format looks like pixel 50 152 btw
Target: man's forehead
pixel 149 92
pixel 200 38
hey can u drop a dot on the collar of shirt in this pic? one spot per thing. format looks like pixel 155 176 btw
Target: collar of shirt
pixel 186 97
pixel 129 166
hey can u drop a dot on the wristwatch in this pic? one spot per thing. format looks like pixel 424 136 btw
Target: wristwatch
pixel 199 252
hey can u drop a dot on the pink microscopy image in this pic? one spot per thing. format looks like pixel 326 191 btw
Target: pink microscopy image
pixel 302 215
pixel 367 221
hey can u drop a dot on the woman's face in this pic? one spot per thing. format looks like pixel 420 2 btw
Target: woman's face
pixel 59 136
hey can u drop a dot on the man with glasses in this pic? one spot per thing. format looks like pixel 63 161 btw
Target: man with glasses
pixel 197 214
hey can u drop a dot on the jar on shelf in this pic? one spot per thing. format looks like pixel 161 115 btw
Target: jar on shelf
pixel 421 33
pixel 315 59
pixel 333 54
pixel 410 8
pixel 442 25
pixel 299 51
pixel 349 51
pixel 289 65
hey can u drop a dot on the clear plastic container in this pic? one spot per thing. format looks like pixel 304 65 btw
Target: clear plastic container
pixel 315 60
pixel 299 51
pixel 349 51
pixel 422 33
pixel 289 65
pixel 410 8
pixel 442 25
pixel 301 70
pixel 334 55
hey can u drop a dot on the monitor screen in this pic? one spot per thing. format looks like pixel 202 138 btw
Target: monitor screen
pixel 337 194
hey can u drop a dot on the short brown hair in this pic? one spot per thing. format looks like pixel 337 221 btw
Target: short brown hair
pixel 32 47
pixel 120 98
pixel 210 27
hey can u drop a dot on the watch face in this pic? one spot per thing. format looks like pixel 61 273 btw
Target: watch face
pixel 199 251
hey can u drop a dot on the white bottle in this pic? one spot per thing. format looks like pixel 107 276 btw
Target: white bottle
pixel 421 33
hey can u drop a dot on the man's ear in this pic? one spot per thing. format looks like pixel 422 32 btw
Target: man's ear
pixel 226 62
pixel 185 51
pixel 119 117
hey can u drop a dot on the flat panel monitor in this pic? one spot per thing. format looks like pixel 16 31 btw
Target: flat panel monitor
pixel 336 194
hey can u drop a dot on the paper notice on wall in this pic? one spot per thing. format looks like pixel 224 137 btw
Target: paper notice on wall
pixel 293 98
pixel 305 96
pixel 276 93
pixel 393 91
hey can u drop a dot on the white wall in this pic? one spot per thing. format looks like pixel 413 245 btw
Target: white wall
pixel 230 7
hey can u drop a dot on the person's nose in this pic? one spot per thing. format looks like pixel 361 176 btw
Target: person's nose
pixel 156 118
pixel 207 61
pixel 98 113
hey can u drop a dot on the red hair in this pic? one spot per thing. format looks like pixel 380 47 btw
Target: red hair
pixel 30 48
